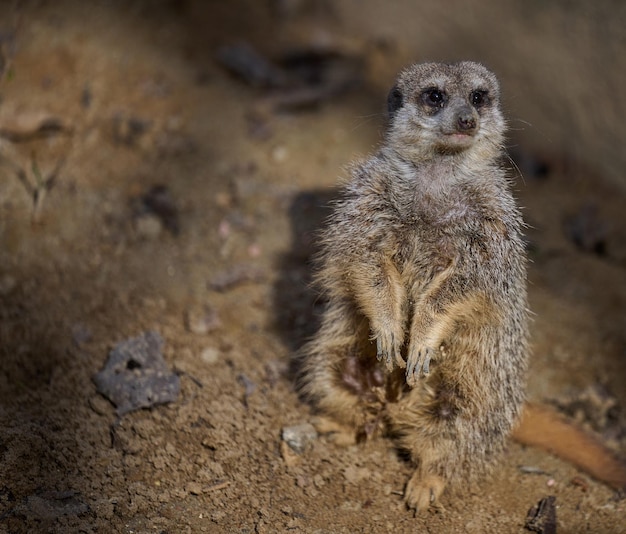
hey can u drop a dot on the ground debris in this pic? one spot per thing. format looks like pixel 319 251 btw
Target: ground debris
pixel 136 375
pixel 532 470
pixel 25 127
pixel 541 518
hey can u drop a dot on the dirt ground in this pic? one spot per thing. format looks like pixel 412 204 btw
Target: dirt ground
pixel 145 186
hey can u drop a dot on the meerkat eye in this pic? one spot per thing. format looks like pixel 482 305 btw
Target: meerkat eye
pixel 479 98
pixel 433 97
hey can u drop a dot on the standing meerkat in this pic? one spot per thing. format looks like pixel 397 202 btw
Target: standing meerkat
pixel 424 332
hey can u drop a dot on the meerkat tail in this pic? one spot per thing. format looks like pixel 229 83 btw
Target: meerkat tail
pixel 544 428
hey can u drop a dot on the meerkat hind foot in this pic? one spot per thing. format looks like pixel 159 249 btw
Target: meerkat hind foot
pixel 339 434
pixel 422 492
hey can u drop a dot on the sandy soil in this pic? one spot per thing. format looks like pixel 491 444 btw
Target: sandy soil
pixel 101 102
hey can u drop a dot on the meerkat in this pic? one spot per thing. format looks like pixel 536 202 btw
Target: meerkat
pixel 423 336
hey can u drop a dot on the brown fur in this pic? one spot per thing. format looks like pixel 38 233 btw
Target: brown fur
pixel 542 427
pixel 423 336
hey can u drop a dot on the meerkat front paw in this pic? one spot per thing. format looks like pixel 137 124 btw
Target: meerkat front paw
pixel 388 350
pixel 422 492
pixel 418 364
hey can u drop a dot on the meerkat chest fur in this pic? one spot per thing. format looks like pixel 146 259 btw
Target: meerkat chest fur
pixel 429 215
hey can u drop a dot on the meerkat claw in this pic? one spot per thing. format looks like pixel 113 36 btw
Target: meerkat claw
pixel 379 349
pixel 410 372
pixel 418 366
pixel 384 353
pixel 426 364
pixel 400 360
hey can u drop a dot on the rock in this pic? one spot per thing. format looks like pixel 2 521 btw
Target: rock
pixel 299 437
pixel 541 518
pixel 136 375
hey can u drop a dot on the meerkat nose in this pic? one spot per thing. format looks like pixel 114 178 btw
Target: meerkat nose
pixel 466 122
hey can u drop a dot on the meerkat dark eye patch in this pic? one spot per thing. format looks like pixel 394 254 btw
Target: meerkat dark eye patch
pixel 395 100
pixel 479 98
pixel 434 97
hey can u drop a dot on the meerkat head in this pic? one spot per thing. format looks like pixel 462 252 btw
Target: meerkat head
pixel 445 109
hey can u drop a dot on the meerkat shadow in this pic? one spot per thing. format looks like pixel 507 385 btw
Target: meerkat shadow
pixel 297 304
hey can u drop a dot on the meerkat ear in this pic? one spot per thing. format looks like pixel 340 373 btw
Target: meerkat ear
pixel 394 100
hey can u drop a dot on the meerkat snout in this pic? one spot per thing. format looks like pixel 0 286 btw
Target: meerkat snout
pixel 466 120
pixel 459 118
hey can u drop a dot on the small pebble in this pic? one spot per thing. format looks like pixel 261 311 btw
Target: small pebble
pixel 280 154
pixel 531 470
pixel 210 355
pixel 299 437
pixel 136 375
